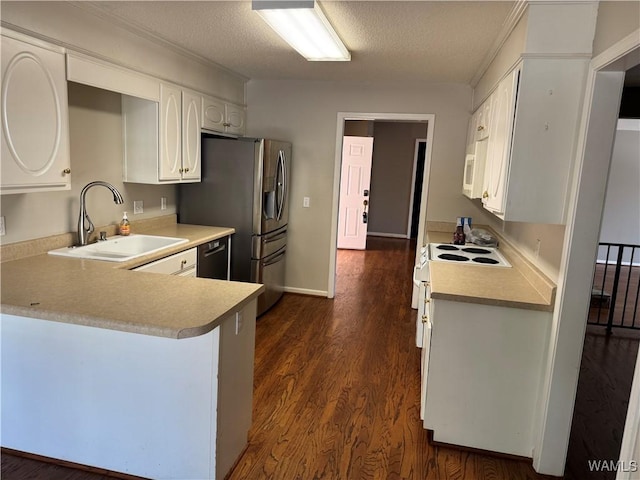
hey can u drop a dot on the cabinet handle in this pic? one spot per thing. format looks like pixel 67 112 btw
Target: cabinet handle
pixel 226 124
pixel 186 169
pixel 480 128
pixel 183 263
pixel 66 171
pixel 485 194
pixel 181 170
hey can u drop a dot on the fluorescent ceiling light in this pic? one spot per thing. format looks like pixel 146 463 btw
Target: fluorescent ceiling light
pixel 302 25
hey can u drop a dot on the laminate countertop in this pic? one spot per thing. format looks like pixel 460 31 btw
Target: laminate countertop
pixel 520 286
pixel 109 295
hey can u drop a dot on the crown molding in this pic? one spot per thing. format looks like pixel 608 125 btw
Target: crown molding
pixel 509 24
pixel 153 37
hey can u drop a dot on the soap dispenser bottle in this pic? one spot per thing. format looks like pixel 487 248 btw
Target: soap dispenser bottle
pixel 125 226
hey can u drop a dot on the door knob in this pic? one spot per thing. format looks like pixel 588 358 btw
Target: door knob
pixel 365 203
pixel 365 217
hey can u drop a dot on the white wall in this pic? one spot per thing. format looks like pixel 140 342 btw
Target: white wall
pixel 307 116
pixel 616 20
pixel 621 216
pixel 391 174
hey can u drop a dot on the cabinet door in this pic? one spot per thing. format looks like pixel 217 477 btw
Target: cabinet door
pixel 213 114
pixel 170 133
pixel 499 146
pixel 191 117
pixel 35 123
pixel 483 120
pixel 234 119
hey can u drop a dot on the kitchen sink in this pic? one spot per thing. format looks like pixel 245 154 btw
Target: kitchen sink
pixel 119 248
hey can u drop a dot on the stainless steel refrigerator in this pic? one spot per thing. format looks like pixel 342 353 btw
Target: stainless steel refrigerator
pixel 245 185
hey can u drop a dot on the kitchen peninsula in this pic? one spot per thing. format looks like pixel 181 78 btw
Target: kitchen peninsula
pixel 134 372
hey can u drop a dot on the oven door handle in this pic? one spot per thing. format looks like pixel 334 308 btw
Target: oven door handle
pixel 416 282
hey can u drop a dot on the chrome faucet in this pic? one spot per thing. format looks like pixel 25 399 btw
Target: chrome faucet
pixel 85 225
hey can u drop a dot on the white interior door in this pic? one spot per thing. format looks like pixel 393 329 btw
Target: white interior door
pixel 355 180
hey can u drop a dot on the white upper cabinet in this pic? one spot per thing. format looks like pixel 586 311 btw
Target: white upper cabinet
pixel 170 167
pixel 191 127
pixel 499 144
pixel 223 117
pixel 162 140
pixel 483 120
pixel 35 119
pixel 533 123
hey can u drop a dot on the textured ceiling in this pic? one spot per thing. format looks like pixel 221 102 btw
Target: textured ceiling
pixel 390 41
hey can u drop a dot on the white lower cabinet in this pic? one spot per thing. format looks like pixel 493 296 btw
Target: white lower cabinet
pixel 35 119
pixel 484 366
pixel 182 264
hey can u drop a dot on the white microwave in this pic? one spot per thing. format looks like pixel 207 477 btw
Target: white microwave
pixel 474 171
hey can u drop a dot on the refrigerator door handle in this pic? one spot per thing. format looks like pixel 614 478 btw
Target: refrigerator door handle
pixel 281 183
pixel 279 257
pixel 274 237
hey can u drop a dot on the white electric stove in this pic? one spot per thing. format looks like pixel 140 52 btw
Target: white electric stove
pixel 469 254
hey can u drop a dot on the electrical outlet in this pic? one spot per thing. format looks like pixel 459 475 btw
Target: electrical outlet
pixel 239 322
pixel 537 253
pixel 138 207
pixel 2 227
pixel 305 202
pixel 163 203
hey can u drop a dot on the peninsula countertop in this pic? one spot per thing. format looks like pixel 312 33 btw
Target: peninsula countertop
pixel 520 286
pixel 109 295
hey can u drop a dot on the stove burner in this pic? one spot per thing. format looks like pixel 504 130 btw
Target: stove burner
pixel 447 247
pixel 453 257
pixel 490 261
pixel 477 251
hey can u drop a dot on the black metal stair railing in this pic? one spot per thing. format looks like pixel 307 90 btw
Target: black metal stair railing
pixel 616 287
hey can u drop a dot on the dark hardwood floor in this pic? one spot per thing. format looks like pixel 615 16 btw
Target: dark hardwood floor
pixel 337 388
pixel 602 398
pixel 337 384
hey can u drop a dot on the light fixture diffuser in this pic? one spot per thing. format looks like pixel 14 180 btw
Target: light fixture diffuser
pixel 303 25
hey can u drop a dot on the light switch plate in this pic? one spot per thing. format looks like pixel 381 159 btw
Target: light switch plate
pixel 2 227
pixel 138 207
pixel 163 203
pixel 305 202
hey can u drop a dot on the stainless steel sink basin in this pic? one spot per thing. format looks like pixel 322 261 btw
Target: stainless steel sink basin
pixel 120 249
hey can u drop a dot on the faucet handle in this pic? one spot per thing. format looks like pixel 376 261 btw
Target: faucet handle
pixel 103 236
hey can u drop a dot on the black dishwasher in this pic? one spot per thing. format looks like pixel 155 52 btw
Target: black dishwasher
pixel 213 259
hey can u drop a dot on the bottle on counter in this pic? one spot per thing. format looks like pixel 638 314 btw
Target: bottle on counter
pixel 459 237
pixel 125 226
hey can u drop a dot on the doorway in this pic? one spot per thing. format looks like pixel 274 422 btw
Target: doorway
pixel 429 120
pixel 416 187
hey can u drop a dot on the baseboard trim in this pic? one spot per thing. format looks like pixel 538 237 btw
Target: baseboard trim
pixel 307 291
pixel 390 235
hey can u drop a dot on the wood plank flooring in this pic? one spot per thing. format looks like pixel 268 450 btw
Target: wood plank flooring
pixel 337 384
pixel 602 399
pixel 337 388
